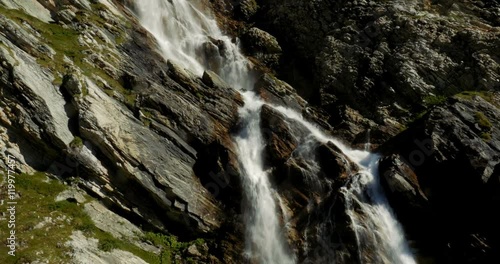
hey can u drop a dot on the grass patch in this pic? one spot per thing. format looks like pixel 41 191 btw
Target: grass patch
pixel 77 142
pixel 486 136
pixel 169 245
pixel 108 244
pixel 487 96
pixel 483 122
pixel 37 202
pixel 431 100
pixel 64 41
pixel 47 243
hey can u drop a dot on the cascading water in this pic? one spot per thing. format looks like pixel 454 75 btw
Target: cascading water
pixel 379 235
pixel 184 33
pixel 190 37
pixel 265 243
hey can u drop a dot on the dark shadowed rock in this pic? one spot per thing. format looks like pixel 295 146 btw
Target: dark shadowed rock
pixel 280 139
pixel 403 191
pixel 454 151
pixel 246 9
pixel 386 60
pixel 400 181
pixel 260 41
pixel 334 163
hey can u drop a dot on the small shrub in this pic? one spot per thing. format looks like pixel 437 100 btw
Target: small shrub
pixel 164 241
pixel 76 143
pixel 199 241
pixel 108 244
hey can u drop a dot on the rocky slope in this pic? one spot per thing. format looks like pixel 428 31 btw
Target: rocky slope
pixel 87 98
pixel 373 64
pixel 85 94
pixel 443 178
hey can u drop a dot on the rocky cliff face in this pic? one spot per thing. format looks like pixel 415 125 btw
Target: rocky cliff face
pixel 443 179
pixel 383 61
pixel 87 96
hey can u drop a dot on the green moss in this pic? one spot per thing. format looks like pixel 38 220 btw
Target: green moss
pixel 146 122
pixel 486 136
pixel 433 100
pixel 164 241
pixel 64 41
pixel 414 119
pixel 483 122
pixel 487 96
pixel 77 142
pixel 147 113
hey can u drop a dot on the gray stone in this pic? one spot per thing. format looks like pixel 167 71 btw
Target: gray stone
pixel 85 250
pixel 73 84
pixel 71 194
pixel 193 251
pixel 31 7
pixel 211 79
pixel 47 100
pixel 66 16
pixel 145 157
pixel 258 40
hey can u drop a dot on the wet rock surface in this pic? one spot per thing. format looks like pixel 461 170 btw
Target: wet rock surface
pixel 85 94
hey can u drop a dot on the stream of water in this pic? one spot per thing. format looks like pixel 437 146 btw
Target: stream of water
pixel 188 35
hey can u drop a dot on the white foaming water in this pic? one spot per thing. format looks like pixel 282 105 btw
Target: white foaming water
pixel 379 235
pixel 189 36
pixel 264 236
pixel 192 39
pixel 179 29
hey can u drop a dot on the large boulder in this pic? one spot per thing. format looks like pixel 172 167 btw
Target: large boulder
pixel 246 9
pixel 262 45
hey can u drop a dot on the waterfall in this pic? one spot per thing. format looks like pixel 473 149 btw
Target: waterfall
pixel 377 231
pixel 265 238
pixel 188 35
pixel 185 34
